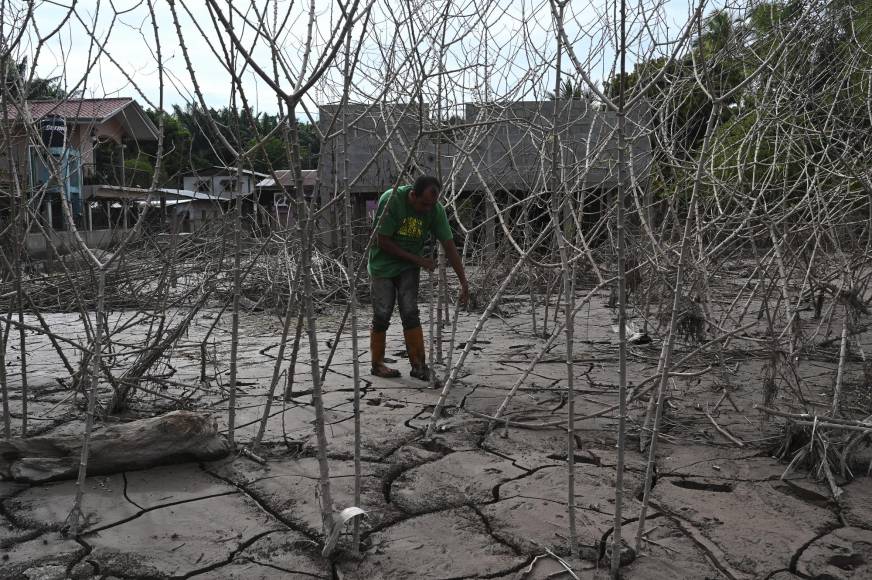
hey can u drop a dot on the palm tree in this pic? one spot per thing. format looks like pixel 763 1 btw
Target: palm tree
pixel 720 30
pixel 15 78
pixel 572 90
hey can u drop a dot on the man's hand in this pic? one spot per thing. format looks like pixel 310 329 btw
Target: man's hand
pixel 457 264
pixel 390 246
pixel 464 294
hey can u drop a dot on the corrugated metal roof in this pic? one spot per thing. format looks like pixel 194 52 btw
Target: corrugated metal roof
pixel 285 176
pixel 138 193
pixel 200 195
pixel 221 170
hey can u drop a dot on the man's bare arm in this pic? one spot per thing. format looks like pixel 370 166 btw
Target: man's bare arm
pixel 457 265
pixel 388 244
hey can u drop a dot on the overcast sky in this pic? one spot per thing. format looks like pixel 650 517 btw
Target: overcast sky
pixel 518 33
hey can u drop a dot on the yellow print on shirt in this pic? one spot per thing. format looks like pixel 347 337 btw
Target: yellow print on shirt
pixel 411 227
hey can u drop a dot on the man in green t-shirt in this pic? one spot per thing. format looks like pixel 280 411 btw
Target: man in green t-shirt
pixel 410 213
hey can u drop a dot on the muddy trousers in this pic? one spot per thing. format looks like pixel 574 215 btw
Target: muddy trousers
pixel 401 290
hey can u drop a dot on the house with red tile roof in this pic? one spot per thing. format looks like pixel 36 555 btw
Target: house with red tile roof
pixel 52 148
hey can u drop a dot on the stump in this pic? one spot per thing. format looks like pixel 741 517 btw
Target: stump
pixel 176 437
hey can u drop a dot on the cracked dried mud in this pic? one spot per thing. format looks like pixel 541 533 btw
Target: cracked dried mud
pixel 467 504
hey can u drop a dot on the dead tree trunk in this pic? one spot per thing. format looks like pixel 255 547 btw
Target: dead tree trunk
pixel 19 299
pixel 175 437
pixel 352 292
pixel 4 385
pixel 96 366
pixel 234 328
pixel 622 298
pixel 555 208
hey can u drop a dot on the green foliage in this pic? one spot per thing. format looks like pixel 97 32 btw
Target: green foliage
pixel 274 151
pixel 176 147
pixel 138 172
pixel 189 143
pixel 767 17
pixel 820 116
pixel 575 90
pixel 15 77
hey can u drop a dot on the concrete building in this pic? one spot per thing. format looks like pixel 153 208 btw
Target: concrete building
pixel 504 149
pixel 187 211
pixel 277 195
pixel 221 180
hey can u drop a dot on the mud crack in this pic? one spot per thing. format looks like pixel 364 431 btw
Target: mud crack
pixel 290 524
pixel 794 559
pixel 242 546
pixel 143 511
pixel 711 551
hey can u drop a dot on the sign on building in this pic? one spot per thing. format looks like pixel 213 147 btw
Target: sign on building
pixel 54 132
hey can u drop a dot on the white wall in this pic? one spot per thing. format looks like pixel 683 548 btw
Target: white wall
pixel 190 182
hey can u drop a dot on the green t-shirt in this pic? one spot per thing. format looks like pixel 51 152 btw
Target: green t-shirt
pixel 407 228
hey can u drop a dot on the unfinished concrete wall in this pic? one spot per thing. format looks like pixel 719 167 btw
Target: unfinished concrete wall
pixel 510 145
pixel 38 247
pixel 379 140
pixel 496 147
pixel 382 134
pixel 503 147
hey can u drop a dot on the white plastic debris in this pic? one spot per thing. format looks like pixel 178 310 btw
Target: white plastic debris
pixel 634 335
pixel 339 521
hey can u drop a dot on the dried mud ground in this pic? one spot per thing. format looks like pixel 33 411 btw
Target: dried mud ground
pixel 464 505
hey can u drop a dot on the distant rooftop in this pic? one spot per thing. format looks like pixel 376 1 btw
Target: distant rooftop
pixel 141 194
pixel 84 109
pixel 222 170
pixel 285 177
pixel 94 111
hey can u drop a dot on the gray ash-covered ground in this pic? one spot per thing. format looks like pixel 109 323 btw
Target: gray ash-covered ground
pixel 467 503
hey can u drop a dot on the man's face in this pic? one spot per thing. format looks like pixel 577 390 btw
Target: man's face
pixel 423 202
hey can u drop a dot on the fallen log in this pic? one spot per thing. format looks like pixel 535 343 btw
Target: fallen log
pixel 176 437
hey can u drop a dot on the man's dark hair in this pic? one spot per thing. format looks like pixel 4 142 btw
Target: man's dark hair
pixel 425 183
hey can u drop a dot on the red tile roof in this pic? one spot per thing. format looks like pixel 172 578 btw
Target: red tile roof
pixel 86 109
pixel 92 111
